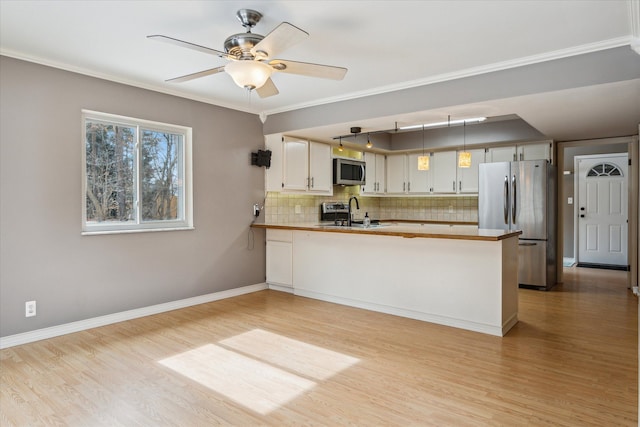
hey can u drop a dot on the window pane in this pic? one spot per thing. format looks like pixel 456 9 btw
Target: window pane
pixel 110 155
pixel 161 180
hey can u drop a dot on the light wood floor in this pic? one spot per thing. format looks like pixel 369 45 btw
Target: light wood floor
pixel 271 358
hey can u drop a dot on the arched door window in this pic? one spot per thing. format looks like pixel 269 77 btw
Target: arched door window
pixel 604 169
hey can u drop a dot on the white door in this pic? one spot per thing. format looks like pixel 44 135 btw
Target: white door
pixel 602 209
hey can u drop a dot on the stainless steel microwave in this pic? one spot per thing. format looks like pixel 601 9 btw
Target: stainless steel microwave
pixel 348 172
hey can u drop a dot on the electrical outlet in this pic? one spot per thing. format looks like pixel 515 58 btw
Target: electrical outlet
pixel 450 208
pixel 298 209
pixel 256 210
pixel 29 309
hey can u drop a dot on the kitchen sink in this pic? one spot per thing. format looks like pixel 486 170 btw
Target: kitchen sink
pixel 355 224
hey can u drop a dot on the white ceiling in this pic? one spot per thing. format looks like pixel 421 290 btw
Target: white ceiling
pixel 386 45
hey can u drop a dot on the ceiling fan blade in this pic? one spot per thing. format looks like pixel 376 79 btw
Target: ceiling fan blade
pixel 281 38
pixel 193 46
pixel 197 75
pixel 307 69
pixel 268 89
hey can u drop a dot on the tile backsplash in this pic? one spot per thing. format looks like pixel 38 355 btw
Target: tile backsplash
pixel 283 208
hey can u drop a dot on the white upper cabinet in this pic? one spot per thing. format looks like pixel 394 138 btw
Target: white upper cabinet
pixel 444 171
pixel 468 177
pixel 511 153
pixel 320 168
pixel 419 180
pixel 306 167
pixel 374 174
pixel 535 151
pixel 296 165
pixel 273 174
pixel 501 154
pixel 397 174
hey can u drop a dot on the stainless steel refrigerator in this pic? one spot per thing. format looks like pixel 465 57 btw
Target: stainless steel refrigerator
pixel 521 196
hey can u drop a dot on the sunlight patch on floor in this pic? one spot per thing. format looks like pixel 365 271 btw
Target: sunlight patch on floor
pixel 258 369
pixel 296 356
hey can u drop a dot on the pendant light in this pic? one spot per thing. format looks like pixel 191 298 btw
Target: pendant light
pixel 340 147
pixel 369 144
pixel 423 161
pixel 464 157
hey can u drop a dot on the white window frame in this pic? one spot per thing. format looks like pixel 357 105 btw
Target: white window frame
pixel 186 208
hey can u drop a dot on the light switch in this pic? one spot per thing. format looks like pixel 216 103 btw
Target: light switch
pixel 570 200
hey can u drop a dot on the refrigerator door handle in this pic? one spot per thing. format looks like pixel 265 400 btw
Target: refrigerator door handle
pixel 526 244
pixel 506 199
pixel 514 194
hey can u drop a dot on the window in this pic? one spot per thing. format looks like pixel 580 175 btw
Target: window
pixel 604 169
pixel 137 175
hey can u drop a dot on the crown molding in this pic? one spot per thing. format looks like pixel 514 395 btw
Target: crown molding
pixel 116 79
pixel 632 41
pixel 634 16
pixel 469 72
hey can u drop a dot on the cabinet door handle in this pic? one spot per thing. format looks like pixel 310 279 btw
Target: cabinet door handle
pixel 307 182
pixel 404 186
pixel 459 185
pixel 409 187
pixel 454 186
pixel 311 182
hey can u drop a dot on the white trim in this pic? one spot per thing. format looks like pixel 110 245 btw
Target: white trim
pixel 469 72
pixel 411 314
pixel 117 79
pixel 281 288
pixel 519 62
pixel 81 325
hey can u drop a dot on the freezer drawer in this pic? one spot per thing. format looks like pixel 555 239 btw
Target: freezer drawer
pixel 532 263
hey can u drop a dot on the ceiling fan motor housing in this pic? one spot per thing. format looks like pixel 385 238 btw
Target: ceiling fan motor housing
pixel 240 45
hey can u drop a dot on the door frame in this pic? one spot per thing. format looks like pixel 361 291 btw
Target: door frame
pixel 632 148
pixel 576 199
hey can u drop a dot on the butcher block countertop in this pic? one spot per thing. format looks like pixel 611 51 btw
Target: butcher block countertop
pixel 413 229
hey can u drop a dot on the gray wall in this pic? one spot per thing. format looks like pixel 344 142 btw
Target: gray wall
pixel 43 256
pixel 566 210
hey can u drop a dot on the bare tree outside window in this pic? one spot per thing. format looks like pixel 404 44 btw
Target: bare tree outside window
pixel 110 154
pixel 160 184
pixel 135 174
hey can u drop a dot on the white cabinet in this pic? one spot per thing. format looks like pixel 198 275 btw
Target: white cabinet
pixel 280 259
pixel 511 153
pixel 374 174
pixel 404 177
pixel 444 171
pixel 397 174
pixel 501 154
pixel 273 174
pixel 419 180
pixel 468 177
pixel 320 168
pixel 535 151
pixel 306 167
pixel 295 165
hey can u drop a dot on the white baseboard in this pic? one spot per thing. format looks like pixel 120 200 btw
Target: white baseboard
pixel 497 330
pixel 81 325
pixel 281 288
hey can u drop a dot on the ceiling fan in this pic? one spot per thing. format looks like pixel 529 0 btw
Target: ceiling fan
pixel 251 56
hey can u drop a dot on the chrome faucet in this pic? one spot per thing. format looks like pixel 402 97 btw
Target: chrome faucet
pixel 349 217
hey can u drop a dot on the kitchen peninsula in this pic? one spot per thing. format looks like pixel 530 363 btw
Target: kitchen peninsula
pixel 458 276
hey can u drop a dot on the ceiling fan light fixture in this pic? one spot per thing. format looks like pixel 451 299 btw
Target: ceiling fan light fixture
pixel 248 74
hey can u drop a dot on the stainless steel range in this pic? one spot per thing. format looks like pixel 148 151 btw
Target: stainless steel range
pixel 335 212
